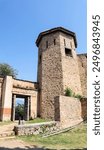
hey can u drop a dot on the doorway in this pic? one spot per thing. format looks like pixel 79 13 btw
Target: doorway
pixel 21 107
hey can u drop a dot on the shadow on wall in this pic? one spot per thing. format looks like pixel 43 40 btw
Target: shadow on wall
pixel 57 109
pixel 35 148
pixel 84 109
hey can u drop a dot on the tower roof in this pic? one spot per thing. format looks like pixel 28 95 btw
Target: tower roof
pixel 61 29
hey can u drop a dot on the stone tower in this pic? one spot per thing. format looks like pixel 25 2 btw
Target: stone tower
pixel 57 68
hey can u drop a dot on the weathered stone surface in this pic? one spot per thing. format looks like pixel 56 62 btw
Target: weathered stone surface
pixel 49 74
pixel 69 110
pixel 84 108
pixel 57 70
pixel 70 70
pixel 82 63
pixel 37 128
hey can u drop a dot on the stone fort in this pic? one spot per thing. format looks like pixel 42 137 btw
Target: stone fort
pixel 59 67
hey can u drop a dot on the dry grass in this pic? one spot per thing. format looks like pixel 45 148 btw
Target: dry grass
pixel 73 139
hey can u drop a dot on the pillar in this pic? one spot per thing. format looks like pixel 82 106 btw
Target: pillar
pixel 13 107
pixel 6 99
pixel 27 108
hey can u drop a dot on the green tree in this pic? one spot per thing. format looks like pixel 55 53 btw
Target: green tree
pixel 19 111
pixel 6 69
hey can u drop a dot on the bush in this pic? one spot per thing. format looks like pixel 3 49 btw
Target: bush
pixel 78 96
pixel 68 92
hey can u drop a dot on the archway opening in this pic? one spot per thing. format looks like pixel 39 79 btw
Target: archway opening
pixel 20 109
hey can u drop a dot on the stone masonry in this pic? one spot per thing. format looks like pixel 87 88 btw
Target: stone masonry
pixel 69 110
pixel 59 67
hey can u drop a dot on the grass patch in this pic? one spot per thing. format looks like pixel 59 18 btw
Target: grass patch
pixel 37 120
pixel 73 139
pixel 5 123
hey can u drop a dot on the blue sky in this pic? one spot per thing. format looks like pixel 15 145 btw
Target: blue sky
pixel 22 20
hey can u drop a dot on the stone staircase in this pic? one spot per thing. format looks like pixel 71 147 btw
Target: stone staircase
pixel 7 130
pixel 7 134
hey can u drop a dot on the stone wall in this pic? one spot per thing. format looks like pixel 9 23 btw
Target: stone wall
pixel 24 84
pixel 69 111
pixel 82 63
pixel 49 74
pixel 69 63
pixel 37 128
pixel 84 108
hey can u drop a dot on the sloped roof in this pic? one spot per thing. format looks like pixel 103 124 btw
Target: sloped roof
pixel 61 29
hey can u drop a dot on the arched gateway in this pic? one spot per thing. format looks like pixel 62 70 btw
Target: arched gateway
pixel 10 89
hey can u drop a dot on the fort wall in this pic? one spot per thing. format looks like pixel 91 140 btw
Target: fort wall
pixel 69 110
pixel 82 64
pixel 70 70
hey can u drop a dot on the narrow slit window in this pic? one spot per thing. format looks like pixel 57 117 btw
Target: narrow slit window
pixel 54 41
pixel 64 42
pixel 82 64
pixel 71 45
pixel 68 52
pixel 40 57
pixel 46 44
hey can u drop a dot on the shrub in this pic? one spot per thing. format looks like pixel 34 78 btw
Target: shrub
pixel 78 96
pixel 68 92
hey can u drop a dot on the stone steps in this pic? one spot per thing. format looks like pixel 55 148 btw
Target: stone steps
pixel 7 134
